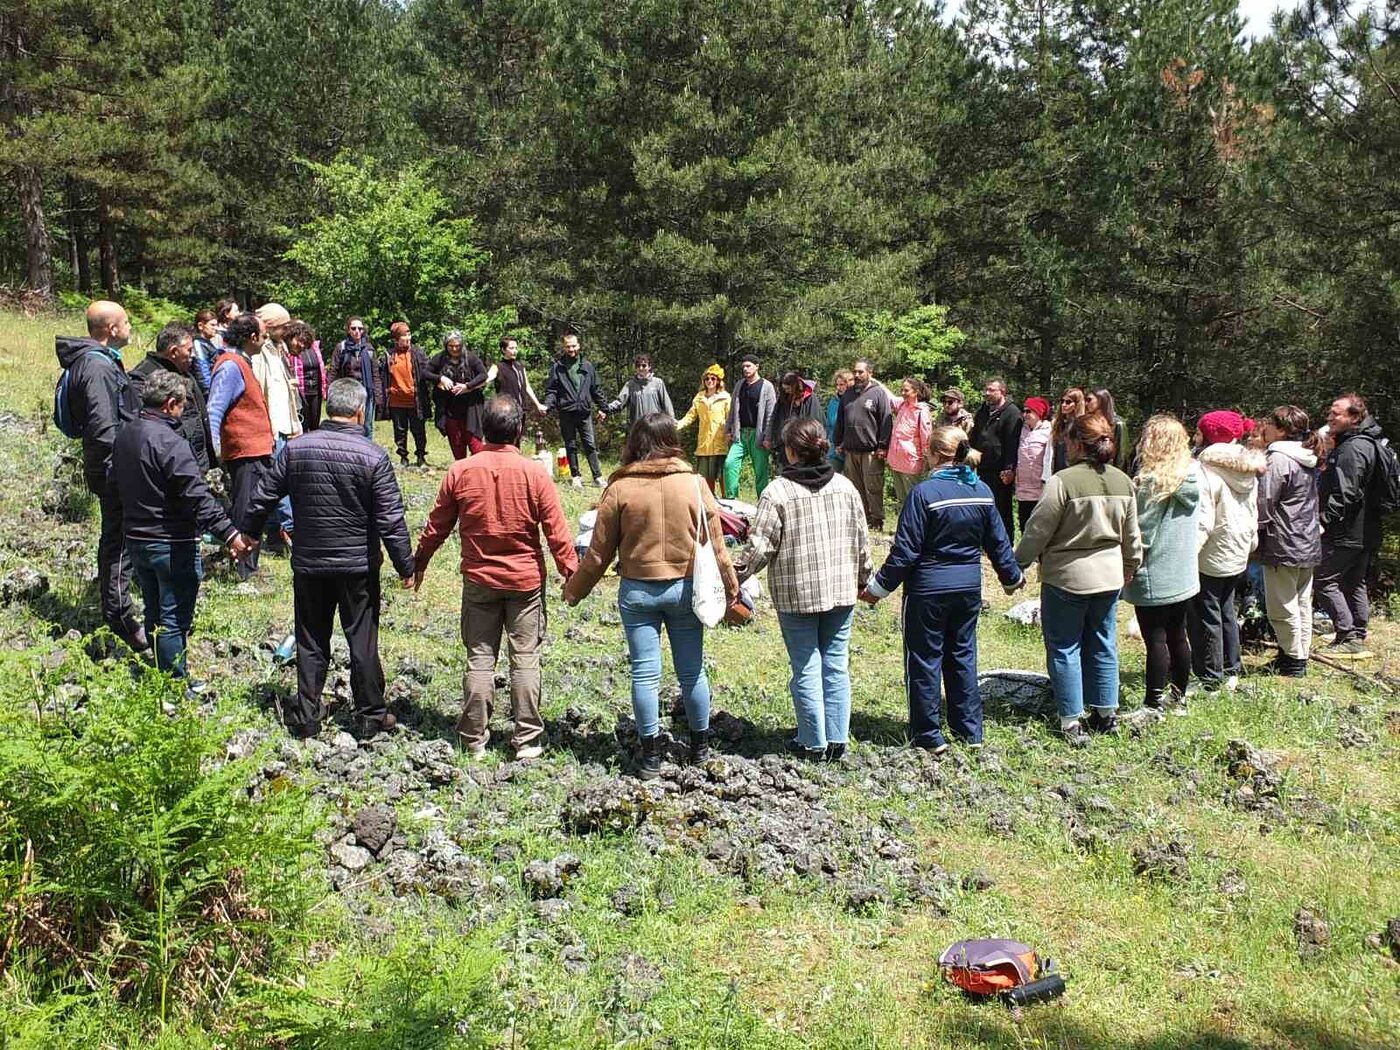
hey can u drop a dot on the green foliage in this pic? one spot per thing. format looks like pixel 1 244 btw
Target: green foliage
pixel 134 860
pixel 920 341
pixel 384 247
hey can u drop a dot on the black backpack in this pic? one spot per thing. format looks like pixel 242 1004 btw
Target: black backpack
pixel 1385 477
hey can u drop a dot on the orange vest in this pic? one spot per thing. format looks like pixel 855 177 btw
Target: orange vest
pixel 246 433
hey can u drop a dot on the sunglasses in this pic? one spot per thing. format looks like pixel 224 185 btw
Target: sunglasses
pixel 357 328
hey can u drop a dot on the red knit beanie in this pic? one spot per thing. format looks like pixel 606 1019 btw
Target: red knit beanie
pixel 1039 406
pixel 1221 427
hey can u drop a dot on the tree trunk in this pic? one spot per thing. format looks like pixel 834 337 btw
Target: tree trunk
pixel 82 243
pixel 38 245
pixel 107 248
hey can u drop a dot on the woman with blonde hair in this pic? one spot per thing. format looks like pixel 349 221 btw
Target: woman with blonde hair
pixel 944 528
pixel 710 410
pixel 1168 496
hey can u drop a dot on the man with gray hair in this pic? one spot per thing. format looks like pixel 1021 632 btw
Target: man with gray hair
pixel 347 504
pixel 165 507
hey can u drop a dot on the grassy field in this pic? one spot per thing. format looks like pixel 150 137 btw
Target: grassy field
pixel 1055 847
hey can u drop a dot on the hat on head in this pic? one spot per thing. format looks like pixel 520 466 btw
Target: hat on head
pixel 1039 406
pixel 750 359
pixel 1221 427
pixel 952 394
pixel 716 371
pixel 273 315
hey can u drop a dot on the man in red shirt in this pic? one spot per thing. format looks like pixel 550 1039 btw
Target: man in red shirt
pixel 500 502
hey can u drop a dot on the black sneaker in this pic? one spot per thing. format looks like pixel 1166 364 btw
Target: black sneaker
pixel 1098 722
pixel 809 754
pixel 1075 735
pixel 835 752
pixel 403 462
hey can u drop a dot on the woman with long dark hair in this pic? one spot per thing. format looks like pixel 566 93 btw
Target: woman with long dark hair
pixel 1101 401
pixel 1071 407
pixel 649 521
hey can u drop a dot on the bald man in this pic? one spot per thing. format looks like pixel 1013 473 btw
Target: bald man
pixel 99 403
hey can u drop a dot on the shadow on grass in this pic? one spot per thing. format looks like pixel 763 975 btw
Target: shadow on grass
pixel 1057 1030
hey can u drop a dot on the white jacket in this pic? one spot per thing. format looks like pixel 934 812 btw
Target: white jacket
pixel 1228 517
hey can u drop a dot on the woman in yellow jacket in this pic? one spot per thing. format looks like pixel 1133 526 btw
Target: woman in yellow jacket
pixel 711 408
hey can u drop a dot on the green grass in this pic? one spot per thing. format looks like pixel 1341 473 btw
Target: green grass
pixel 1150 963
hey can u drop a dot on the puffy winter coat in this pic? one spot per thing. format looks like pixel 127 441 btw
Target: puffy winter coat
pixel 1290 532
pixel 1170 536
pixel 1229 515
pixel 346 501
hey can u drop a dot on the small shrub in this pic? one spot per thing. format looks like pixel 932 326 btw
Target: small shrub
pixel 133 859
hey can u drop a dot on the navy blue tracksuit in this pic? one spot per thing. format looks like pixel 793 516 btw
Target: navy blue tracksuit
pixel 947 522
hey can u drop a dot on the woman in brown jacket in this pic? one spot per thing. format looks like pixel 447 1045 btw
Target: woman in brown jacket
pixel 648 520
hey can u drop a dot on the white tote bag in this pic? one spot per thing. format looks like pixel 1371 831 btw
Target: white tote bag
pixel 707 586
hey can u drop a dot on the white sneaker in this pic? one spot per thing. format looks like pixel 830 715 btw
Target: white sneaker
pixel 599 483
pixel 1232 683
pixel 577 483
pixel 528 752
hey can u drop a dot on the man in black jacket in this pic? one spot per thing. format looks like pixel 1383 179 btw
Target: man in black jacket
pixel 174 353
pixel 996 434
pixel 574 392
pixel 99 403
pixel 165 507
pixel 1351 524
pixel 347 503
pixel 863 428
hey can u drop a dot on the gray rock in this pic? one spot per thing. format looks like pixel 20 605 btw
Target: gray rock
pixel 1027 691
pixel 22 584
pixel 1312 932
pixel 351 858
pixel 546 879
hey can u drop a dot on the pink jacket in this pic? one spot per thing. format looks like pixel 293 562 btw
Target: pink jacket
pixel 1030 462
pixel 913 426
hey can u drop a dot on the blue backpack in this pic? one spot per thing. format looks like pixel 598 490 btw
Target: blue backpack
pixel 62 412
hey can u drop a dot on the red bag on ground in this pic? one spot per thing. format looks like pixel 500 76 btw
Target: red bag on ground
pixel 990 966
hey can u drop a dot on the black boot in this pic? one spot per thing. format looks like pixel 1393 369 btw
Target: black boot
pixel 651 758
pixel 699 746
pixel 1292 666
pixel 835 752
pixel 1155 699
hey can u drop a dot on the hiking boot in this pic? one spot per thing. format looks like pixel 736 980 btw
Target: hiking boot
pixel 699 747
pixel 835 752
pixel 1100 721
pixel 1351 649
pixel 403 462
pixel 382 725
pixel 421 462
pixel 1292 667
pixel 808 754
pixel 474 752
pixel 1155 699
pixel 651 758
pixel 528 753
pixel 1075 735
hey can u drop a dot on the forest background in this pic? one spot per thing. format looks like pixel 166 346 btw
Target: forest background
pixel 1130 193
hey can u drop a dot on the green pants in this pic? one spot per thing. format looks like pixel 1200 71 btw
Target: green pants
pixel 747 445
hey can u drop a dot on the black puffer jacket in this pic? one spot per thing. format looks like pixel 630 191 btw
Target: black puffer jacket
pixel 161 488
pixel 194 422
pixel 1350 516
pixel 99 400
pixel 345 500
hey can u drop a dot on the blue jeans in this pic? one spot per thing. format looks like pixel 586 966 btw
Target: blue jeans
pixel 284 505
pixel 818 647
pixel 168 574
pixel 1081 648
pixel 645 605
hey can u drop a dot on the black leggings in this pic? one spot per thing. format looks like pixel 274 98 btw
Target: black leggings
pixel 1168 651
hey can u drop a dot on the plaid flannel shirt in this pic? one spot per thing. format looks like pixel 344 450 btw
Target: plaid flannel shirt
pixel 815 545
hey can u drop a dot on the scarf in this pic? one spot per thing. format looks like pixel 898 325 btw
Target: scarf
pixel 813 476
pixel 962 473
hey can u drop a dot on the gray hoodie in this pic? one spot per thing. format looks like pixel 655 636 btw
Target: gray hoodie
pixel 1290 532
pixel 642 397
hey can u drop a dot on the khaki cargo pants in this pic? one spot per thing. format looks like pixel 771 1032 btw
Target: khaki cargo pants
pixel 486 613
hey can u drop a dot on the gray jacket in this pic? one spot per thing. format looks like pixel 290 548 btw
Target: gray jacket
pixel 767 403
pixel 1290 532
pixel 642 397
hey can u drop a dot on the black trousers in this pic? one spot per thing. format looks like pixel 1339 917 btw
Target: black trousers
pixel 577 429
pixel 1001 493
pixel 940 656
pixel 316 600
pixel 113 564
pixel 404 420
pixel 1168 648
pixel 244 475
pixel 311 411
pixel 1339 585
pixel 1213 625
pixel 1024 510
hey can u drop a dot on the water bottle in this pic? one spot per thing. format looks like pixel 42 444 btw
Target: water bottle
pixel 1048 987
pixel 285 650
